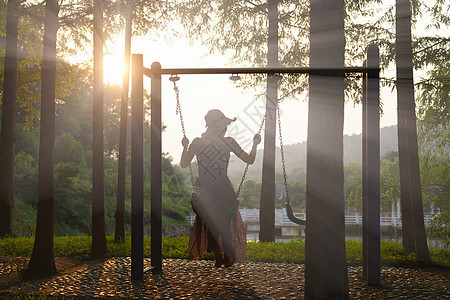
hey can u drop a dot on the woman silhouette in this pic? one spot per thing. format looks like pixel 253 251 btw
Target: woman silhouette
pixel 224 236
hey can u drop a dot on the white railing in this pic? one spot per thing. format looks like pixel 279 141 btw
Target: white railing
pixel 251 215
pixel 353 219
pixel 190 219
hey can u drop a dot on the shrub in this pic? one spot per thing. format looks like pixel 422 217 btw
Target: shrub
pixel 291 252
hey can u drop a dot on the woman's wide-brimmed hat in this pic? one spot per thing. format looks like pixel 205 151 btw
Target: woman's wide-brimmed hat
pixel 216 119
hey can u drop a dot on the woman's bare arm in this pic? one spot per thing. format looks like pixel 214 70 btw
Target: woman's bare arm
pixel 188 152
pixel 248 158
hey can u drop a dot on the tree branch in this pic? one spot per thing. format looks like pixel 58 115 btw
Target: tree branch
pixel 431 46
pixel 256 5
pixel 24 11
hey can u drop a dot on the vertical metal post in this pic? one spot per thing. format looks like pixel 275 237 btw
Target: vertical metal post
pixel 372 169
pixel 137 169
pixel 267 199
pixel 156 169
pixel 364 172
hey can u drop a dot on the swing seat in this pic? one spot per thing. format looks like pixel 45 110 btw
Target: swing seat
pixel 291 215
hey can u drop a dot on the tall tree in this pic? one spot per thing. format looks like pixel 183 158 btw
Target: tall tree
pixel 267 199
pixel 120 208
pixel 8 130
pixel 413 234
pixel 434 142
pixel 239 29
pixel 42 260
pixel 99 248
pixel 325 263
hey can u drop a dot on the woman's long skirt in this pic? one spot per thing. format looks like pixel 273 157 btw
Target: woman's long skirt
pixel 202 240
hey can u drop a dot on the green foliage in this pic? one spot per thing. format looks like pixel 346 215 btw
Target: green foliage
pixel 174 212
pixel 394 253
pixel 297 194
pixel 175 247
pixel 240 29
pixel 376 24
pixel 250 194
pixel 74 40
pixel 69 161
pixel 352 180
pixel 120 249
pixel 19 246
pixel 27 141
pixel 390 179
pixel 243 31
pixel 433 139
pixel 79 246
pixel 68 150
pixel 25 178
pixel 353 251
pixel 72 187
pixel 24 218
pixel 30 45
pixel 72 170
pixel 291 252
pixel 440 256
pixel 434 96
pixel 176 194
pixel 389 182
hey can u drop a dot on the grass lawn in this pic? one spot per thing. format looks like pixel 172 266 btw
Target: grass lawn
pixel 292 252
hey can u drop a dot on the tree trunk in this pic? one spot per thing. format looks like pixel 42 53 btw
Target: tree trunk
pixel 121 174
pixel 267 200
pixel 8 131
pixel 99 248
pixel 42 260
pixel 413 232
pixel 325 261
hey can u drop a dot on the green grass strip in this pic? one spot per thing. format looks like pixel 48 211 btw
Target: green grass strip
pixel 292 251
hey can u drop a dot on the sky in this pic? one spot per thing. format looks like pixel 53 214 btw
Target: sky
pixel 200 93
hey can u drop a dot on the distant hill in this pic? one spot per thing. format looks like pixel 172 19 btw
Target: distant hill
pixel 295 156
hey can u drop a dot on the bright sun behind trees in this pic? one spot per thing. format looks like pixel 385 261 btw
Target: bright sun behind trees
pixel 65 121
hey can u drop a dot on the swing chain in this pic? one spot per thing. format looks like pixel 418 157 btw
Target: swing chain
pixel 283 164
pixel 246 167
pixel 178 111
pixel 242 181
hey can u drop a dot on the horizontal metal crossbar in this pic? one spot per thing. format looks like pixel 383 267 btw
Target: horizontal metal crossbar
pixel 293 70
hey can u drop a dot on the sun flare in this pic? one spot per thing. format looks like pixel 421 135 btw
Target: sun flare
pixel 113 69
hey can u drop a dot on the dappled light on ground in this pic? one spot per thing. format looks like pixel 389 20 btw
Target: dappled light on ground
pixel 185 279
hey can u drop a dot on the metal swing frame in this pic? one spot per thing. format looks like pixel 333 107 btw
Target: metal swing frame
pixel 235 77
pixel 371 160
